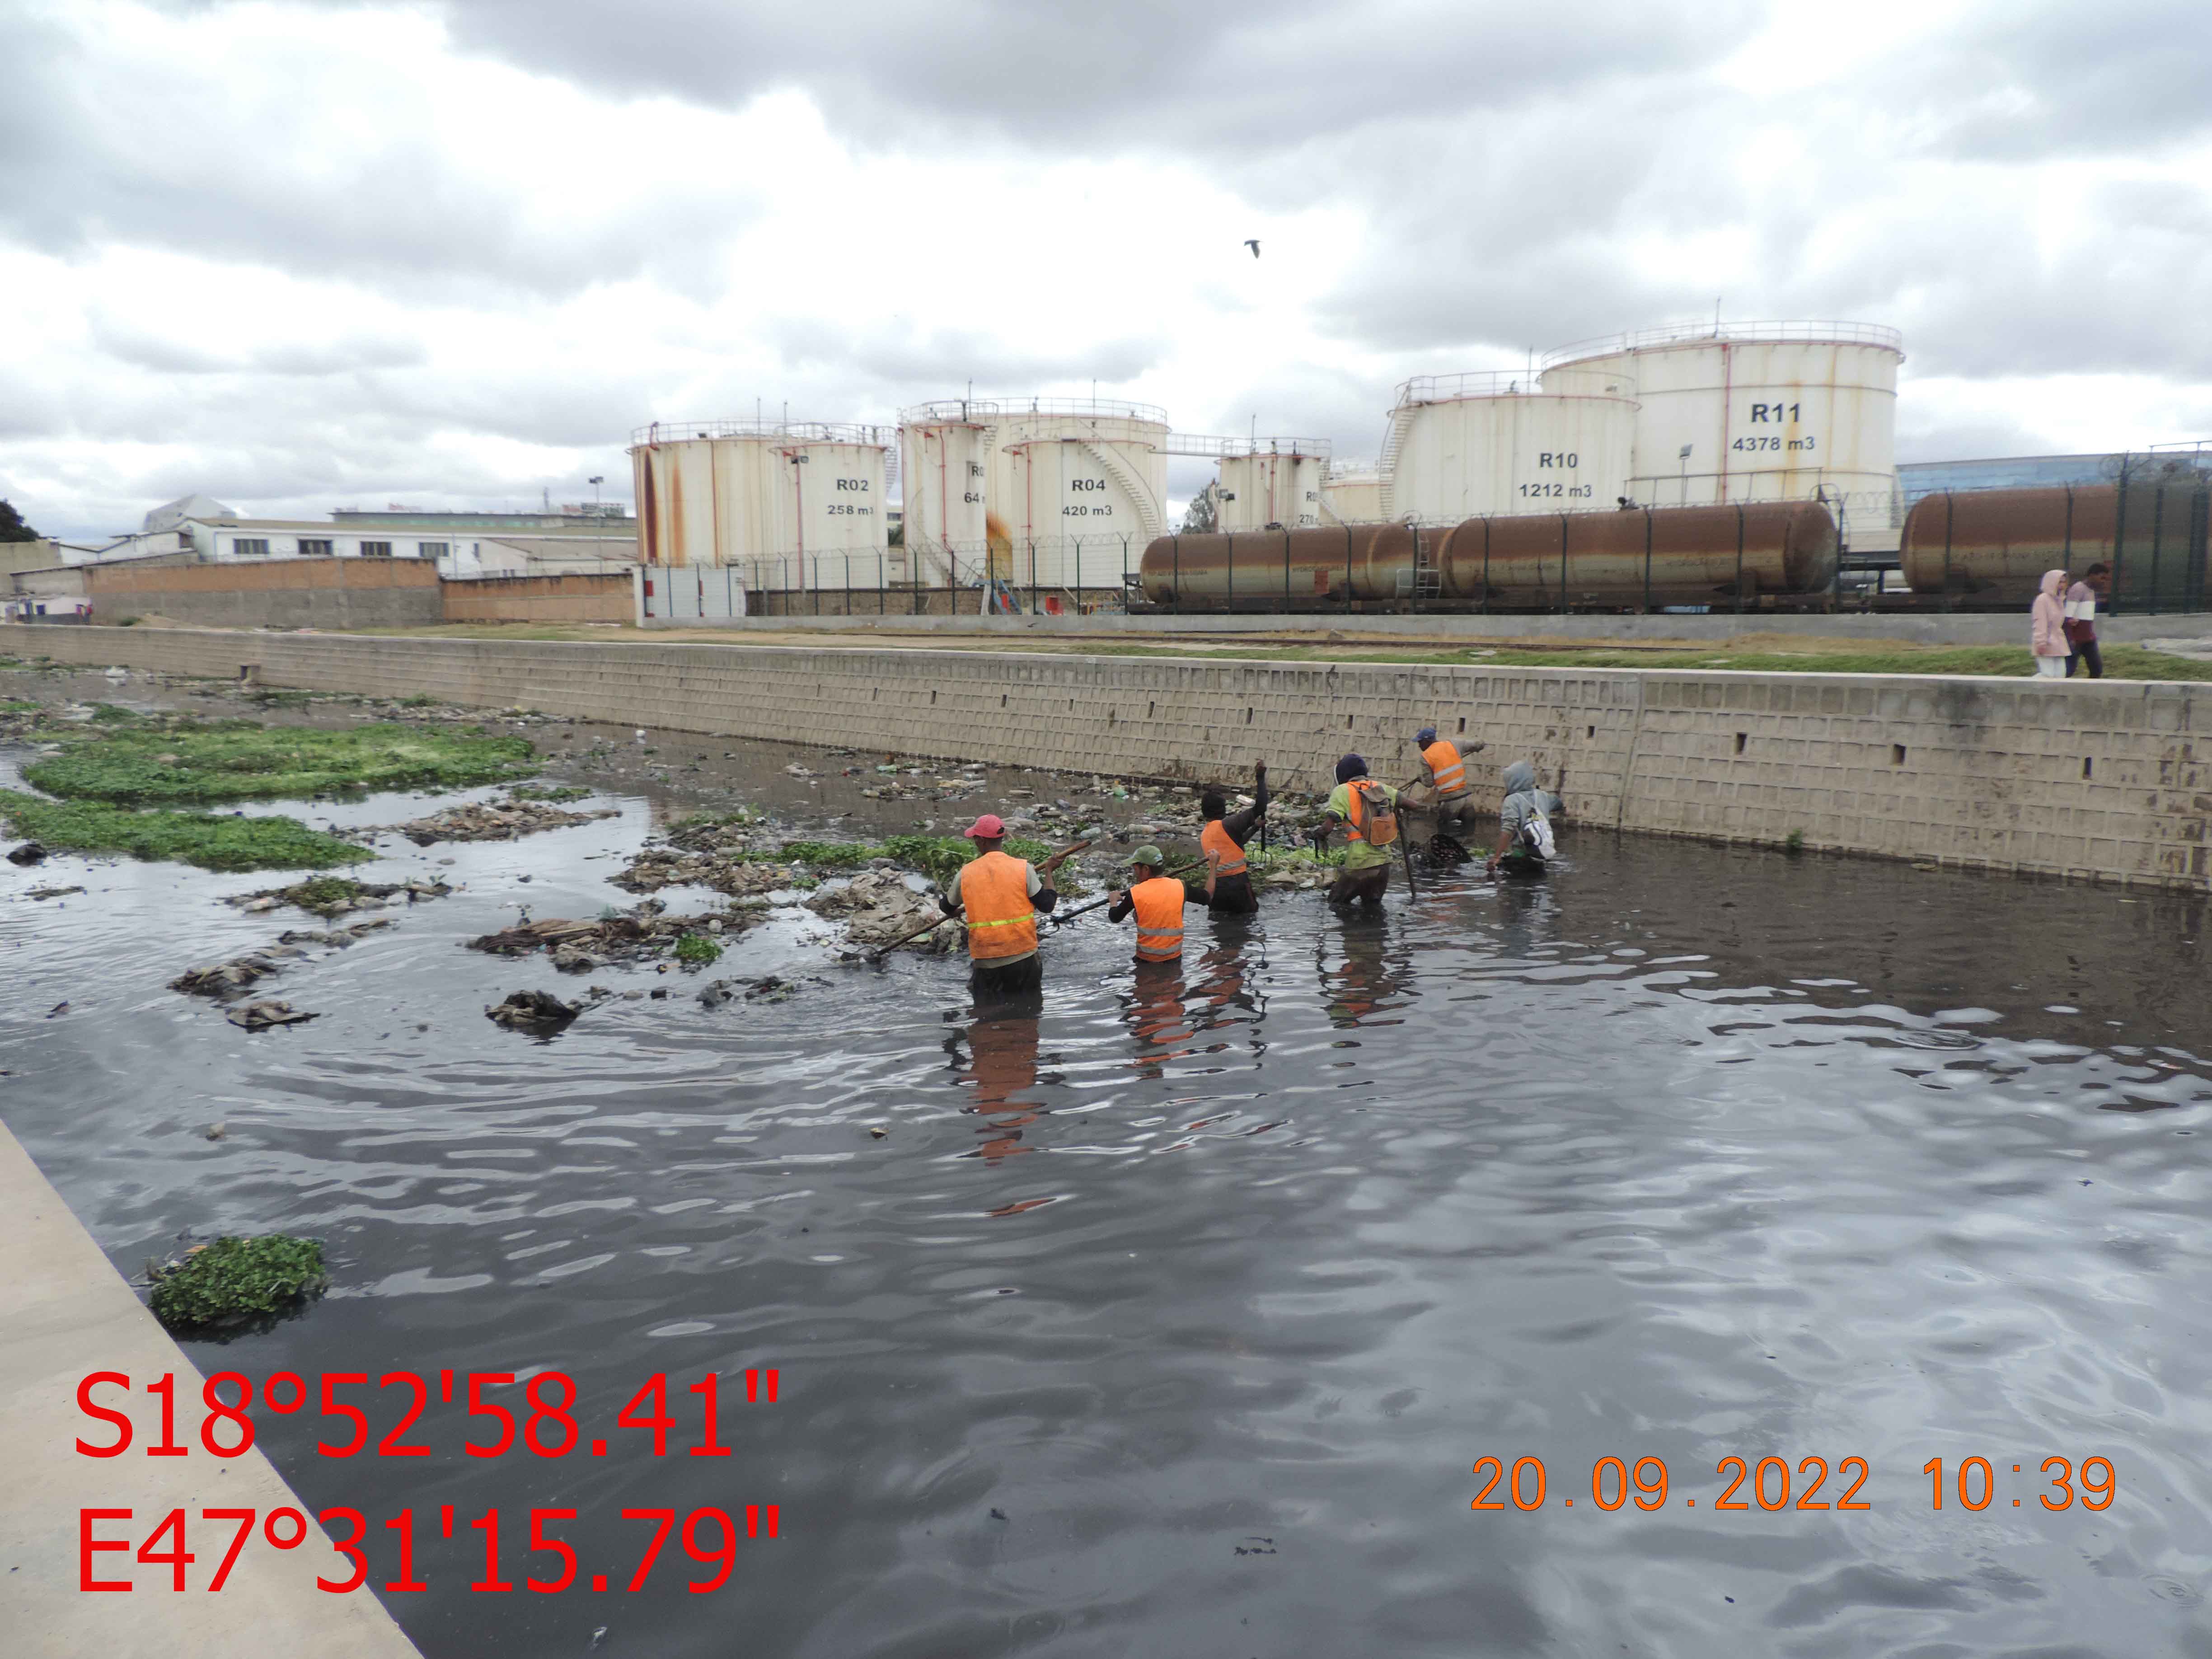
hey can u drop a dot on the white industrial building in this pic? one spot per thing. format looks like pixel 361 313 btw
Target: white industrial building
pixel 199 528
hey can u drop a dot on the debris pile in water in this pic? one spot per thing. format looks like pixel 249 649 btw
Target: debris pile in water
pixel 581 947
pixel 336 895
pixel 879 907
pixel 539 1011
pixel 260 1016
pixel 499 820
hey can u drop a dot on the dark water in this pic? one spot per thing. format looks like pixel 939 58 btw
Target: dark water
pixel 1217 1285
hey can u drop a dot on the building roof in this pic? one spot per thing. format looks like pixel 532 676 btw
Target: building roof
pixel 168 516
pixel 570 549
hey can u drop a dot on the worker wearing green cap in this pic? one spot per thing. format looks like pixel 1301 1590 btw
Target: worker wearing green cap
pixel 1158 900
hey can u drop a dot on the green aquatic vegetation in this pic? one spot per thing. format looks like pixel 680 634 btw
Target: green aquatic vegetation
pixel 174 762
pixel 420 700
pixel 17 706
pixel 114 714
pixel 323 890
pixel 552 795
pixel 210 840
pixel 827 854
pixel 1280 860
pixel 696 951
pixel 237 1279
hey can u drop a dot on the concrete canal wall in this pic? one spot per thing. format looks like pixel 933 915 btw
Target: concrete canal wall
pixel 63 1315
pixel 2090 780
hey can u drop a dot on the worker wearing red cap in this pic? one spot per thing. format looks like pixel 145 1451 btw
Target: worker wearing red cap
pixel 998 896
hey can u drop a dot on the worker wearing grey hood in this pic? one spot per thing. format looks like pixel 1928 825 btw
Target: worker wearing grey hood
pixel 1524 829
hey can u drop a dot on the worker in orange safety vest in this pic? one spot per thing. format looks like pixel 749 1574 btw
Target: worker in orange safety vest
pixel 1157 902
pixel 1222 839
pixel 998 896
pixel 1444 770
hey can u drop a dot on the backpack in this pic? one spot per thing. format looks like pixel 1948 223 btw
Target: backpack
pixel 1378 823
pixel 1537 834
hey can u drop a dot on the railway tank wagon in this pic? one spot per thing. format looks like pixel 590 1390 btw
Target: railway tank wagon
pixel 1989 547
pixel 1597 561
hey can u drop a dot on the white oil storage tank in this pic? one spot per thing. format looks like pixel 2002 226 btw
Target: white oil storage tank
pixel 945 465
pixel 1272 483
pixel 1757 411
pixel 1069 483
pixel 1083 481
pixel 796 504
pixel 1351 493
pixel 1473 445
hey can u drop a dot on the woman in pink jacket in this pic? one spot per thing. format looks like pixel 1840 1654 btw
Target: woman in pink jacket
pixel 2047 627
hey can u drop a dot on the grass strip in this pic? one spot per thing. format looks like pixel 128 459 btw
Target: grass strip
pixel 205 839
pixel 134 761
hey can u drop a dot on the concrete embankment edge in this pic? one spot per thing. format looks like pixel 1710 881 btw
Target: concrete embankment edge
pixel 64 1314
pixel 2088 780
pixel 1874 629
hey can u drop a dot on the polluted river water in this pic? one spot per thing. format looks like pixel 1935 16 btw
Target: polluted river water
pixel 1184 1315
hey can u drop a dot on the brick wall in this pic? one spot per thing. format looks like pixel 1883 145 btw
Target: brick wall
pixel 281 593
pixel 2089 779
pixel 541 598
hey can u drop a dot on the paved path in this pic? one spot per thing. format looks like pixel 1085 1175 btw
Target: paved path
pixel 64 1314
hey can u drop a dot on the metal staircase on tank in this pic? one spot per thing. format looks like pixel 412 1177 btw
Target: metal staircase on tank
pixel 1150 525
pixel 1388 467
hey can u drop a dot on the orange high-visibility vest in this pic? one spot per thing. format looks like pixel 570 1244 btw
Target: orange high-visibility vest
pixel 1159 919
pixel 994 891
pixel 1368 798
pixel 1446 768
pixel 1217 840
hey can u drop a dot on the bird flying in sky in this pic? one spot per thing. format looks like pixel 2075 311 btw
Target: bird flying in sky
pixel 1254 244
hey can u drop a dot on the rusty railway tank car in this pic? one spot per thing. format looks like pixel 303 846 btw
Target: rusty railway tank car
pixel 1992 546
pixel 1611 560
pixel 1645 557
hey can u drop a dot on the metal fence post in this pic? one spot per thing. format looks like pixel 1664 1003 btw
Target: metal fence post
pixel 1647 561
pixel 2157 535
pixel 1078 575
pixel 1739 558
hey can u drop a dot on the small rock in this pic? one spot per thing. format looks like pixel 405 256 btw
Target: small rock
pixel 29 853
pixel 877 1135
pixel 215 1131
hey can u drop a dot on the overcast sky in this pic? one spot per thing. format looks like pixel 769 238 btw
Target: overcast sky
pixel 299 256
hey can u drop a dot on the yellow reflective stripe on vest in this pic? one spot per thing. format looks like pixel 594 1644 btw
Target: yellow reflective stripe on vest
pixel 1159 939
pixel 1230 857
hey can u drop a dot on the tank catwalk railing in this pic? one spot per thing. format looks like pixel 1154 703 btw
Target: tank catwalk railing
pixel 1734 334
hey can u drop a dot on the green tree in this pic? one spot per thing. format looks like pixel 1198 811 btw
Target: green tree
pixel 12 527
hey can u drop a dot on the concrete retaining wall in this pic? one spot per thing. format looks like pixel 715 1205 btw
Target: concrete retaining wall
pixel 284 593
pixel 2095 780
pixel 540 599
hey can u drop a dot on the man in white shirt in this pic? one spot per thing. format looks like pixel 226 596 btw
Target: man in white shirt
pixel 2082 620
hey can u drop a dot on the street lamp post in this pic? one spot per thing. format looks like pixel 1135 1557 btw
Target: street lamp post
pixel 599 524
